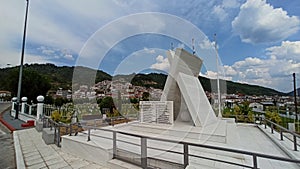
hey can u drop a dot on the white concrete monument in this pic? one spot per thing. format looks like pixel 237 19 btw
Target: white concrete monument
pixel 184 89
pixel 183 114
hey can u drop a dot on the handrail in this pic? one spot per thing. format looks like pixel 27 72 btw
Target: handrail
pixel 185 153
pixel 283 128
pixel 295 135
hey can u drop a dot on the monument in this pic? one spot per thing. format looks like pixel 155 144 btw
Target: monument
pixel 183 114
pixel 184 89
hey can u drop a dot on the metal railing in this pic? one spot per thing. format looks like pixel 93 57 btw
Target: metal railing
pixel 57 126
pixel 281 131
pixel 185 152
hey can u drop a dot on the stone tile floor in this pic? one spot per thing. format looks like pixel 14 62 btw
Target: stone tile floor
pixel 36 154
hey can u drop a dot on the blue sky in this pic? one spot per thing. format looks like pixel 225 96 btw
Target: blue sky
pixel 258 40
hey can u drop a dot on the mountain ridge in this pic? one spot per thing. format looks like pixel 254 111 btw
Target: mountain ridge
pixel 61 77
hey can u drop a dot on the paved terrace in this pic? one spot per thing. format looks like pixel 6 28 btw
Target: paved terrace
pixel 32 152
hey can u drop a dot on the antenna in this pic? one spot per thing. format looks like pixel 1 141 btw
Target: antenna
pixel 193 44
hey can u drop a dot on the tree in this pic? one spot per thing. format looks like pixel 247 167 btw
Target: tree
pixel 146 96
pixel 273 116
pixel 33 84
pixel 107 102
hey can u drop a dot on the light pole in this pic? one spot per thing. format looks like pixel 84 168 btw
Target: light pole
pixel 295 96
pixel 22 61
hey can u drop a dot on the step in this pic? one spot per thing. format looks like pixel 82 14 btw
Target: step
pixel 119 164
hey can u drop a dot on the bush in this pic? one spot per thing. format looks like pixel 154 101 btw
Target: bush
pixel 56 116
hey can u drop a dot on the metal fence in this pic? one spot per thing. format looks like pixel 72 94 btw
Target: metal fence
pixel 186 154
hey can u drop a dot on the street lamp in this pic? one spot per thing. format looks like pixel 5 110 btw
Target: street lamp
pixel 22 61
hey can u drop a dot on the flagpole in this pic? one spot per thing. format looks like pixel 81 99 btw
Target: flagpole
pixel 218 80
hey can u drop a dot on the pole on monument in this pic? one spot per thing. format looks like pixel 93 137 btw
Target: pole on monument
pixel 218 80
pixel 22 61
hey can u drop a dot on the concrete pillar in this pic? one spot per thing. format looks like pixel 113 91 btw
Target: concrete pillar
pixel 13 106
pixel 30 110
pixel 23 104
pixel 40 105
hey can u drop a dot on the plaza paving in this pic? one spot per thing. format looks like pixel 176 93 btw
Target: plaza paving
pixel 32 152
pixel 28 149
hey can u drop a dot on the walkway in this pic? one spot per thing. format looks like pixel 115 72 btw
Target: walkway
pixel 7 151
pixel 32 152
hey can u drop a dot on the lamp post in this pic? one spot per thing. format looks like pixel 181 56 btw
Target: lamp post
pixel 295 96
pixel 22 61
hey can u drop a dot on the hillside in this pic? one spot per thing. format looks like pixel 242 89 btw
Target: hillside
pixel 292 92
pixel 58 76
pixel 61 76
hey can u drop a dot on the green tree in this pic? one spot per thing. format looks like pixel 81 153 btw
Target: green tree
pixel 33 84
pixel 273 116
pixel 146 96
pixel 107 102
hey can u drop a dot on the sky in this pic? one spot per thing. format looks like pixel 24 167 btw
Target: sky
pixel 258 41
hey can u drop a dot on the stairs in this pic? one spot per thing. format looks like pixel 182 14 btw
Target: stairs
pixel 29 123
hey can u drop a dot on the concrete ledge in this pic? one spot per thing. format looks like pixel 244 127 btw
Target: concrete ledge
pixel 39 126
pixel 286 145
pixel 118 164
pixel 19 156
pixel 48 136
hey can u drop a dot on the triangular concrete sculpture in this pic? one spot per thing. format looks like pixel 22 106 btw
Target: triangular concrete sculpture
pixel 185 90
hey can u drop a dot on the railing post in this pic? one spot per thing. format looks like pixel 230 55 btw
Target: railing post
pixel 265 121
pixel 58 136
pixel 185 155
pixel 295 143
pixel 281 135
pixel 70 129
pixel 272 130
pixel 89 134
pixel 255 162
pixel 144 152
pixel 114 144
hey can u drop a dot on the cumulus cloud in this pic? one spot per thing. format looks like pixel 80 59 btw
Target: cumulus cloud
pixel 221 11
pixel 151 51
pixel 259 22
pixel 287 50
pixel 206 44
pixel 69 57
pixel 275 71
pixel 161 63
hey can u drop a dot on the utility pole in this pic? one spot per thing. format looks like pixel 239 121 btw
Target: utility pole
pixel 22 62
pixel 295 95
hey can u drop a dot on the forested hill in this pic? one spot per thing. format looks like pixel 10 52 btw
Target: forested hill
pixel 61 76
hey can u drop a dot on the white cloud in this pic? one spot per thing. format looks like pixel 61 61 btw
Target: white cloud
pixel 229 71
pixel 230 3
pixel 69 57
pixel 274 71
pixel 147 50
pixel 287 50
pixel 259 22
pixel 220 12
pixel 162 63
pixel 206 44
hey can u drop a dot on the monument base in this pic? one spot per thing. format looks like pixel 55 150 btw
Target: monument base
pixel 99 149
pixel 179 131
